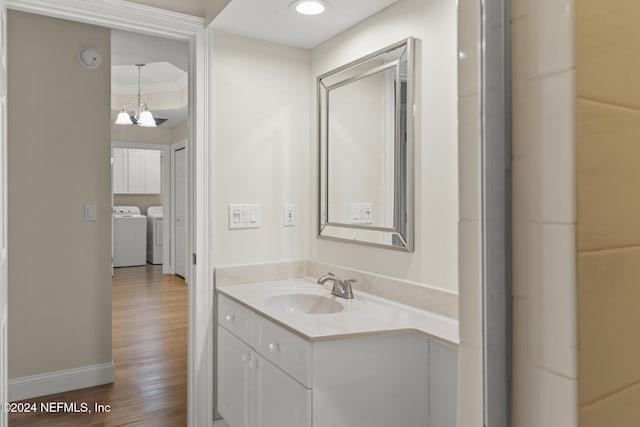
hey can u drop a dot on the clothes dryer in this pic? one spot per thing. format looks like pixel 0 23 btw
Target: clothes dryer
pixel 154 235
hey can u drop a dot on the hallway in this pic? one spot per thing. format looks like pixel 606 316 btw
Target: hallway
pixel 150 312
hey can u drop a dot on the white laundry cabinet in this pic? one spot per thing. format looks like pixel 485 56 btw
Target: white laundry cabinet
pixel 136 171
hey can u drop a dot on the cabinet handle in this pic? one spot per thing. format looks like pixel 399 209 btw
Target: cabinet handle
pixel 274 347
pixel 244 357
pixel 229 318
pixel 253 363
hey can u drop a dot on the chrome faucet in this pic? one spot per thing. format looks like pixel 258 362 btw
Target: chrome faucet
pixel 341 288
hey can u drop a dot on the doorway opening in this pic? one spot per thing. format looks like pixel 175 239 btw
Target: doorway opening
pixel 190 29
pixel 149 184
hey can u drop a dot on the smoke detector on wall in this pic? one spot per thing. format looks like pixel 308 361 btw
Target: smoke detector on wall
pixel 89 58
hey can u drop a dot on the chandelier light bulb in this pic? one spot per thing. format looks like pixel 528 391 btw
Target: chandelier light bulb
pixel 123 118
pixel 146 119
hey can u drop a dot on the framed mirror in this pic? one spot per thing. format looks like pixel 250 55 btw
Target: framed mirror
pixel 365 130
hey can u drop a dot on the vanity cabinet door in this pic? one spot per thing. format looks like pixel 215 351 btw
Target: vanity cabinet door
pixel 234 379
pixel 280 401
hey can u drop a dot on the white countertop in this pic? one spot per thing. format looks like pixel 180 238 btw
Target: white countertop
pixel 366 314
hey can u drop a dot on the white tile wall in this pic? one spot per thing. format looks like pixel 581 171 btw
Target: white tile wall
pixel 552 306
pixel 468 44
pixel 543 213
pixel 470 317
pixel 554 97
pixel 544 249
pixel 554 399
pixel 549 36
pixel 469 386
pixel 469 155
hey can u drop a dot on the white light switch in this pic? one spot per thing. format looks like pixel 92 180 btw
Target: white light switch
pixel 90 212
pixel 289 219
pixel 244 216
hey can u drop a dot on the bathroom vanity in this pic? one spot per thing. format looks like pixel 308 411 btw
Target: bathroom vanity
pixel 292 355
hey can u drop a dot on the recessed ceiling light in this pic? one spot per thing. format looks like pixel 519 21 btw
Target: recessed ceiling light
pixel 309 7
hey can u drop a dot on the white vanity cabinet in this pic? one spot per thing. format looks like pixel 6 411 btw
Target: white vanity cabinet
pixel 269 376
pixel 252 391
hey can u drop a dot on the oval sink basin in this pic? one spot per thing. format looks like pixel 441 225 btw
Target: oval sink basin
pixel 305 303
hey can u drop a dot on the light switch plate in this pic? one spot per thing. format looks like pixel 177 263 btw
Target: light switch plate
pixel 90 212
pixel 244 216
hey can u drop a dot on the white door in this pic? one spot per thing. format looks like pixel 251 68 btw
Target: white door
pixel 3 212
pixel 180 186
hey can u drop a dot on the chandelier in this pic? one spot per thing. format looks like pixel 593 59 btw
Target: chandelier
pixel 140 113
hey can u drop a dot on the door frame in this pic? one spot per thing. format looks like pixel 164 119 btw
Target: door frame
pixel 172 203
pixel 167 198
pixel 496 175
pixel 129 16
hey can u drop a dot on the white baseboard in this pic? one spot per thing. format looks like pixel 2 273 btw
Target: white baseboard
pixel 60 381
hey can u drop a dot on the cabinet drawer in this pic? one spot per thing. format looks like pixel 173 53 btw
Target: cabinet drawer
pixel 289 352
pixel 236 319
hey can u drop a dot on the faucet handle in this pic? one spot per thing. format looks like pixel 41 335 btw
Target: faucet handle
pixel 349 282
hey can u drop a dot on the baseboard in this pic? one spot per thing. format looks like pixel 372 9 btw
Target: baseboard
pixel 60 381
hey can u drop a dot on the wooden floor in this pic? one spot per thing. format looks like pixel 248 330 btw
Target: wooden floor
pixel 150 313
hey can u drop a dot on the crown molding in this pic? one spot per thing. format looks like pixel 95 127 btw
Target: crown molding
pixel 164 87
pixel 118 14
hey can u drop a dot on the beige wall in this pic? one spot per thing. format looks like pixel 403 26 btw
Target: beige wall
pixel 213 8
pixel 180 132
pixel 608 208
pixel 261 147
pixel 434 23
pixel 545 375
pixel 208 9
pixel 158 135
pixel 59 268
pixel 190 7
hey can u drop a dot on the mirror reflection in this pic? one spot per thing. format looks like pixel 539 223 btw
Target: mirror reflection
pixel 365 144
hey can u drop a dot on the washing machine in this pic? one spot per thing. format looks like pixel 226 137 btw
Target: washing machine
pixel 154 235
pixel 129 237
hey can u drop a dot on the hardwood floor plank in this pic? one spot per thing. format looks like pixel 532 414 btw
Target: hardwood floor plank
pixel 149 348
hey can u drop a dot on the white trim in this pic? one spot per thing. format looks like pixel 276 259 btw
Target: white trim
pixel 128 16
pixel 116 14
pixel 200 395
pixel 60 381
pixel 170 256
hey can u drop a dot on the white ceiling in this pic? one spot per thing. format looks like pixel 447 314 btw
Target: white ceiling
pixel 274 21
pixel 131 48
pixel 154 77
